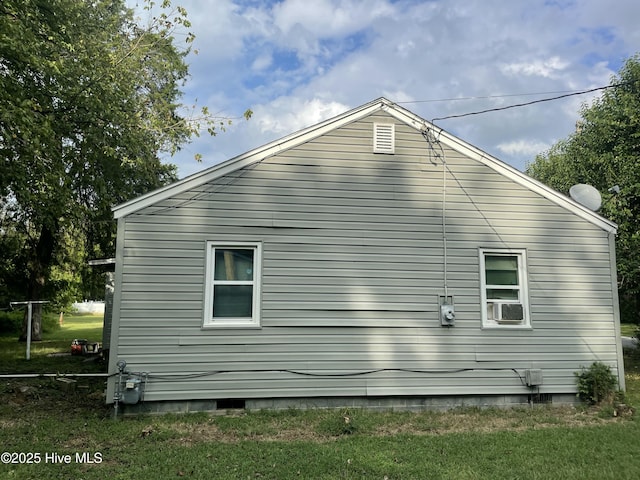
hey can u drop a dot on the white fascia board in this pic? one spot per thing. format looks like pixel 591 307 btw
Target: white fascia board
pixel 247 158
pixel 504 169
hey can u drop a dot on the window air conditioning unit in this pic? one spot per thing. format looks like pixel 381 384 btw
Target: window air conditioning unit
pixel 508 313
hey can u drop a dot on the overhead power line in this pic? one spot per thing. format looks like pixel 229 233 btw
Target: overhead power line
pixel 486 97
pixel 581 92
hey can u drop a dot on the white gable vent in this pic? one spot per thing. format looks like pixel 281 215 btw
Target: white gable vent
pixel 384 138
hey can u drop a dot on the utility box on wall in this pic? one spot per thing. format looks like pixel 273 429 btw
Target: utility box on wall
pixel 447 311
pixel 533 377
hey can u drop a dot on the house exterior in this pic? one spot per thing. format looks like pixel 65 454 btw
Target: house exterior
pixel 373 260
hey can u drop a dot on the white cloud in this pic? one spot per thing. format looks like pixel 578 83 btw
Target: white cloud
pixel 405 48
pixel 543 68
pixel 529 148
pixel 262 61
pixel 287 115
pixel 219 28
pixel 297 62
pixel 327 18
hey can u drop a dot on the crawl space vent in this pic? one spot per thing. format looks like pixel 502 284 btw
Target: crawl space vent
pixel 541 398
pixel 383 138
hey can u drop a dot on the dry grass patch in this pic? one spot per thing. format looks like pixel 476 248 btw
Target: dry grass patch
pixel 328 425
pixel 190 433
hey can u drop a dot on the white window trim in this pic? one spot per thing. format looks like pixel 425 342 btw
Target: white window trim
pixel 521 255
pixel 253 322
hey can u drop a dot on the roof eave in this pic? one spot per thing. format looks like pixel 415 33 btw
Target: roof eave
pixel 529 182
pixel 309 133
pixel 248 158
pixel 502 168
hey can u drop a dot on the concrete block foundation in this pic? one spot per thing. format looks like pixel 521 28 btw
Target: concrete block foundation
pixel 440 403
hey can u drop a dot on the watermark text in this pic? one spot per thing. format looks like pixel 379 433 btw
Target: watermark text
pixel 22 458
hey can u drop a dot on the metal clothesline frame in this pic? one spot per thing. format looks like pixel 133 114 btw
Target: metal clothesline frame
pixel 29 304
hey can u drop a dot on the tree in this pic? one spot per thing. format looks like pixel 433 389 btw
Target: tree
pixel 605 151
pixel 89 100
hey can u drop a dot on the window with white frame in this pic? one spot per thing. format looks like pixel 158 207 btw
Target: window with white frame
pixel 504 288
pixel 232 296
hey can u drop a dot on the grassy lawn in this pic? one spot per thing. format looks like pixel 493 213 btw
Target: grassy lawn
pixel 524 443
pixel 628 329
pixel 41 416
pixel 57 340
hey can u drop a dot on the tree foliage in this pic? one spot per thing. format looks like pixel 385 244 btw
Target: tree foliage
pixel 89 101
pixel 605 151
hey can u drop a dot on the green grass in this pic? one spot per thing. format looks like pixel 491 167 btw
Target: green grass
pixel 465 444
pixel 628 329
pixel 44 416
pixel 56 340
pixel 632 376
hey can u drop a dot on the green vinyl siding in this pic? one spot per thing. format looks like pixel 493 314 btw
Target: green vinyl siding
pixel 352 268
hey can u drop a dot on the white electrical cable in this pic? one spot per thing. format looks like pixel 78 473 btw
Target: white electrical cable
pixel 444 226
pixel 427 134
pixel 56 375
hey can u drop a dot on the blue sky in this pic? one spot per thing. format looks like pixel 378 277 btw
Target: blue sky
pixel 298 62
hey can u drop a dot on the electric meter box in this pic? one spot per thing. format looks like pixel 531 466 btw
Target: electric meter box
pixel 447 311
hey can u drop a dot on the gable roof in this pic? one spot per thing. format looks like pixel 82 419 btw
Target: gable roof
pixel 381 104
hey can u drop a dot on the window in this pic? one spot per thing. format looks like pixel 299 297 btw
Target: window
pixel 232 285
pixel 504 288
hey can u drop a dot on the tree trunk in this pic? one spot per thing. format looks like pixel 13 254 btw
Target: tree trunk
pixel 36 323
pixel 39 269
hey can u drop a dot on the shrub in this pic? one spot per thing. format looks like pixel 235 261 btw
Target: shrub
pixel 11 322
pixel 596 383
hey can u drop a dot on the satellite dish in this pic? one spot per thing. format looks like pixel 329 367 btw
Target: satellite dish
pixel 587 196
